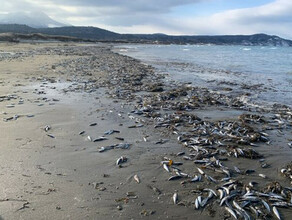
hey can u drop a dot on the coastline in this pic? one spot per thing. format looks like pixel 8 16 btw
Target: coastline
pixel 72 86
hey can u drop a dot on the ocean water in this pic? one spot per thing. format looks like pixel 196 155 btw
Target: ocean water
pixel 264 72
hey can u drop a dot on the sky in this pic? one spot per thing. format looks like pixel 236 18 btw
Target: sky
pixel 177 17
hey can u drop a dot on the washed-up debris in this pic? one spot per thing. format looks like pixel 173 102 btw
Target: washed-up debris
pixel 155 189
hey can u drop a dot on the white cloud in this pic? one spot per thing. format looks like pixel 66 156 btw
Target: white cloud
pixel 273 18
pixel 151 16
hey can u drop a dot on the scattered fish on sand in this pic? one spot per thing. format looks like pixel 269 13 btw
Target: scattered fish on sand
pixel 136 178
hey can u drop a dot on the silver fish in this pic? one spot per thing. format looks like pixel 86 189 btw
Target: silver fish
pixel 47 128
pixel 237 169
pixel 121 160
pixel 174 177
pixel 166 167
pixel 197 204
pixel 196 178
pixel 231 212
pixel 136 178
pixel 277 214
pixel 200 171
pixel 266 205
pixel 211 191
pixel 174 198
pixel 221 193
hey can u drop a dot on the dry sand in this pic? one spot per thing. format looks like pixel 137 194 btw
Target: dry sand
pixel 65 177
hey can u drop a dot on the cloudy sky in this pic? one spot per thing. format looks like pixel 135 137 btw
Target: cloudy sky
pixel 189 17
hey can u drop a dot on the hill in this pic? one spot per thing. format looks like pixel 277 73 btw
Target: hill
pixel 98 34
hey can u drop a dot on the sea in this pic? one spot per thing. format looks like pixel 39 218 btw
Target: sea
pixel 262 72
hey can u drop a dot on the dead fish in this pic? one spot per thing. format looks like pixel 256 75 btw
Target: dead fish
pixel 166 167
pixel 102 149
pixel 174 198
pixel 161 141
pixel 174 177
pixel 225 179
pixel 252 183
pixel 50 135
pixel 211 179
pixel 197 204
pixel 120 138
pixel 136 178
pixel 237 169
pixel 263 175
pixel 283 170
pixel 100 139
pixel 277 214
pixel 264 165
pixel 47 128
pixel 136 126
pixel 196 178
pixel 266 205
pixel 109 132
pixel 7 119
pixel 180 153
pixel 123 146
pixel 221 193
pixel 282 204
pixel 121 160
pixel 81 132
pixel 200 171
pixel 211 191
pixel 231 212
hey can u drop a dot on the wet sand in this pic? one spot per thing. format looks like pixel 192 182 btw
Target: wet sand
pixel 60 174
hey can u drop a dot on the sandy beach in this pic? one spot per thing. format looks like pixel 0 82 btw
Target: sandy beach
pixel 70 111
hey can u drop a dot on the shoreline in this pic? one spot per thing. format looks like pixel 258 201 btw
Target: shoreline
pixel 70 87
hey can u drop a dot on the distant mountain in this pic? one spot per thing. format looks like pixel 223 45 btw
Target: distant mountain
pixel 98 34
pixel 88 33
pixel 33 19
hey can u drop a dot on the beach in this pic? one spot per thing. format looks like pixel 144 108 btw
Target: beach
pixel 87 133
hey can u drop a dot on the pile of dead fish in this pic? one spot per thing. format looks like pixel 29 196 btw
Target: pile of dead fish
pixel 240 200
